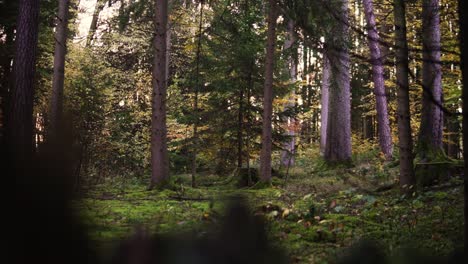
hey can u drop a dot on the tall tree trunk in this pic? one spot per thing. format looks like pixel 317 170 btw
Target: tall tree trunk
pixel 324 101
pixel 249 122
pixel 338 143
pixel 462 13
pixel 430 134
pixel 403 111
pixel 287 158
pixel 159 155
pixel 240 121
pixel 94 21
pixel 195 100
pixel 56 107
pixel 20 115
pixel 265 157
pixel 385 135
pixel 306 129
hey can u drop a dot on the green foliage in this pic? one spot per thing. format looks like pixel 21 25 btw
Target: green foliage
pixel 314 217
pixel 318 208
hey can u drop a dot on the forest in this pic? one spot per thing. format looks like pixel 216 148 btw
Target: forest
pixel 235 131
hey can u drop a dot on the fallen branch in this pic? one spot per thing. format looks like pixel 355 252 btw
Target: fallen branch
pixel 180 198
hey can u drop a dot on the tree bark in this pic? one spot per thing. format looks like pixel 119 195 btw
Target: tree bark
pixel 240 121
pixel 94 22
pixel 56 107
pixel 20 115
pixel 430 134
pixel 385 135
pixel 195 100
pixel 265 156
pixel 462 13
pixel 306 128
pixel 287 155
pixel 403 111
pixel 324 101
pixel 338 142
pixel 159 155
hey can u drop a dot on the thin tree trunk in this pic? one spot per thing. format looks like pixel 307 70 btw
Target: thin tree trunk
pixel 287 158
pixel 430 134
pixel 249 121
pixel 94 21
pixel 403 111
pixel 265 157
pixel 385 135
pixel 159 155
pixel 240 120
pixel 462 13
pixel 324 101
pixel 306 129
pixel 453 128
pixel 338 143
pixel 20 115
pixel 56 107
pixel 195 100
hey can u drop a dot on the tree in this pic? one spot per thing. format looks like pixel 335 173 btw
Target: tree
pixel 462 13
pixel 94 21
pixel 195 99
pixel 324 101
pixel 56 107
pixel 159 155
pixel 403 111
pixel 338 141
pixel 431 129
pixel 265 156
pixel 20 115
pixel 287 155
pixel 385 136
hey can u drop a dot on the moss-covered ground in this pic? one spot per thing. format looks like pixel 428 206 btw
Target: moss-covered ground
pixel 313 214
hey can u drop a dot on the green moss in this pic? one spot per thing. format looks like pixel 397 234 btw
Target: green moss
pixel 311 215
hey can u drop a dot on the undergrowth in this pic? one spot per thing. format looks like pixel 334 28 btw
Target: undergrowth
pixel 313 214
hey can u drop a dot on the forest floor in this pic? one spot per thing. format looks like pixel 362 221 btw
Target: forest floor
pixel 312 214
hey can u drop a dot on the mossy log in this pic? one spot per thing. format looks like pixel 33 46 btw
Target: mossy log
pixel 243 174
pixel 430 173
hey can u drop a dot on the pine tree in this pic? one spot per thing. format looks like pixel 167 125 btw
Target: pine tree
pixel 431 129
pixel 338 142
pixel 404 127
pixel 265 157
pixel 19 135
pixel 159 154
pixel 385 136
pixel 56 107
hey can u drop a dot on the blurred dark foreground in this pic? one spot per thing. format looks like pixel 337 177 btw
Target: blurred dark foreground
pixel 48 231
